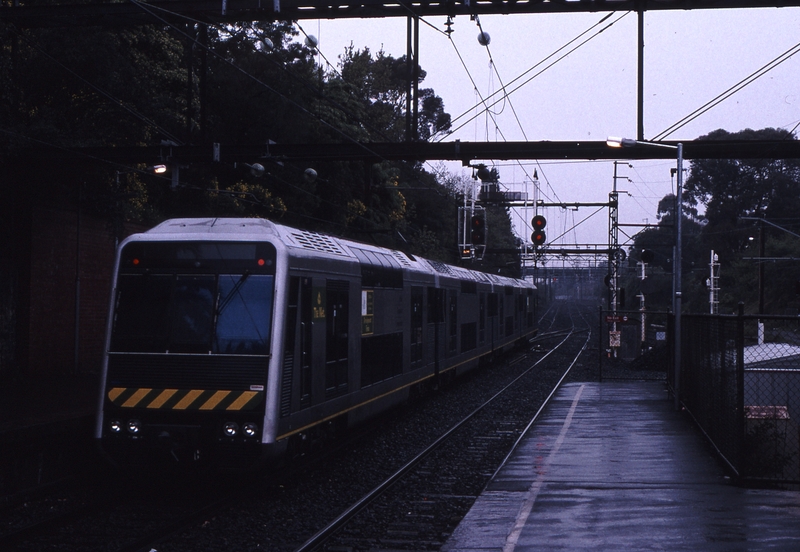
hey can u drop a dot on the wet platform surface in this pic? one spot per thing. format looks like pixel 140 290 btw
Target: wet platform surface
pixel 612 466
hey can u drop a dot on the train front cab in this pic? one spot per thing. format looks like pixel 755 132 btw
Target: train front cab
pixel 185 376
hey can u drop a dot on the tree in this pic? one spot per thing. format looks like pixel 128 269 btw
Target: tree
pixel 433 120
pixel 731 188
pixel 661 241
pixel 237 84
pixel 732 191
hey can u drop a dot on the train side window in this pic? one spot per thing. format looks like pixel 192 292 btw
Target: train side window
pixel 381 357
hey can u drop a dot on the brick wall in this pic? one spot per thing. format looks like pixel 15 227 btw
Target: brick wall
pixel 56 262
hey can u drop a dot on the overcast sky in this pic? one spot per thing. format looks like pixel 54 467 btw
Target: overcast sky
pixel 691 57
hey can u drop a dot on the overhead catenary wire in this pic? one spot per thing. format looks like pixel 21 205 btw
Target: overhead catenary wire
pixel 505 92
pixel 482 100
pixel 507 100
pixel 538 64
pixel 752 77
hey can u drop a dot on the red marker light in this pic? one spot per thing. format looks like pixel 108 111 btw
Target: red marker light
pixel 135 262
pixel 261 262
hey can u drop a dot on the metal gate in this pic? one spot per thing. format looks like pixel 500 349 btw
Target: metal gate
pixel 634 345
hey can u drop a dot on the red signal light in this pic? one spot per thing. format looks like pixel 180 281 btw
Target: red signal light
pixel 478 230
pixel 538 238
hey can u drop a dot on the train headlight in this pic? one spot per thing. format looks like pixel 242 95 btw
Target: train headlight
pixel 115 426
pixel 250 430
pixel 230 429
pixel 134 426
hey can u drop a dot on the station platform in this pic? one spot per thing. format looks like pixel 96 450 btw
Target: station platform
pixel 612 466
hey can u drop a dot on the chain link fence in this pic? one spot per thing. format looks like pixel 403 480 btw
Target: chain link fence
pixel 740 380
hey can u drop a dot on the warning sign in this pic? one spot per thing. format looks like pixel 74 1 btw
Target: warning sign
pixel 318 306
pixel 367 315
pixel 615 318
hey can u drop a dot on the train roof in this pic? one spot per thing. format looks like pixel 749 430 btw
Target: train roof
pixel 314 244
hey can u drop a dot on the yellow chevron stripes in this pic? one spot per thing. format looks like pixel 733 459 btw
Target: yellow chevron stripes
pixel 215 399
pixel 243 399
pixel 187 399
pixel 184 399
pixel 137 396
pixel 162 397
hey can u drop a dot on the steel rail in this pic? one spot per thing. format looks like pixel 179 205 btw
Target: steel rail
pixel 326 532
pixel 544 404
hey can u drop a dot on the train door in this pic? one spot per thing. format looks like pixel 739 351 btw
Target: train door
pixel 482 319
pixel 306 342
pixel 531 309
pixel 336 337
pixel 492 309
pixel 501 316
pixel 436 315
pixel 416 324
pixel 452 322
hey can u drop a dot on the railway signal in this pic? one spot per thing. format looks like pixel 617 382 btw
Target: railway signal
pixel 538 236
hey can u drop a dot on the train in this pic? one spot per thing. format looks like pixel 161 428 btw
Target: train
pixel 233 340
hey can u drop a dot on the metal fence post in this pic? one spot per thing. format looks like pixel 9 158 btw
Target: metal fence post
pixel 739 412
pixel 600 344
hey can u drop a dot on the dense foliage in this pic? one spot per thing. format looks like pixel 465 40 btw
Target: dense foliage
pixel 750 213
pixel 188 84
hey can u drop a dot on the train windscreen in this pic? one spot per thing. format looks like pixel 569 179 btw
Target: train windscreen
pixel 194 298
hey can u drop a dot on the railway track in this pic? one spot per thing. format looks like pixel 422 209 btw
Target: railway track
pixel 403 486
pixel 425 500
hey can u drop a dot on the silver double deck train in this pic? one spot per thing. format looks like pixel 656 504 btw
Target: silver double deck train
pixel 230 340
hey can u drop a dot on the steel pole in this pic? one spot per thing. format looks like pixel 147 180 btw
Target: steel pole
pixel 676 274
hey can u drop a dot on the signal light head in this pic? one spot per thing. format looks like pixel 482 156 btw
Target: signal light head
pixel 538 238
pixel 478 223
pixel 538 222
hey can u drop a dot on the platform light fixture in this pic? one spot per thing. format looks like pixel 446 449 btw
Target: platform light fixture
pixel 616 142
